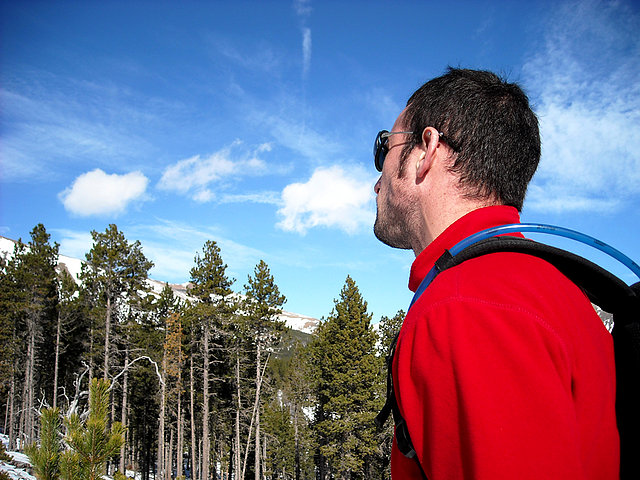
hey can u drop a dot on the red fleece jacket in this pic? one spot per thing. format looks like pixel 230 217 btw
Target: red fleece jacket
pixel 504 370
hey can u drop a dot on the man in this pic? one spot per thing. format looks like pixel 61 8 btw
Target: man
pixel 502 368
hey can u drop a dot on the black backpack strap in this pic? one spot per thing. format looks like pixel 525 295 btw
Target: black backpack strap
pixel 403 439
pixel 391 407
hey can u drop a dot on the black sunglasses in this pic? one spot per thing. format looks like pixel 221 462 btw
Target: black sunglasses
pixel 381 147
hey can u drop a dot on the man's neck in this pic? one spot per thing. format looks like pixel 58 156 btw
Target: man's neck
pixel 440 214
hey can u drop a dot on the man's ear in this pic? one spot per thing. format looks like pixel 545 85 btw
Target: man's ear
pixel 430 140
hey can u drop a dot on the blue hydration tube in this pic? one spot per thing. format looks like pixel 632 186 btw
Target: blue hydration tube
pixel 536 228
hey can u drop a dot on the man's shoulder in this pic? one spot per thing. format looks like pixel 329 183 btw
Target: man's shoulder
pixel 502 271
pixel 507 280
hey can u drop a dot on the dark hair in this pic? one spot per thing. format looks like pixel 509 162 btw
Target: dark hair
pixel 488 124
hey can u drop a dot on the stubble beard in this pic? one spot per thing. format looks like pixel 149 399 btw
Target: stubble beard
pixel 391 227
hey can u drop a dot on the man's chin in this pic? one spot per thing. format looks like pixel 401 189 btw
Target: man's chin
pixel 383 235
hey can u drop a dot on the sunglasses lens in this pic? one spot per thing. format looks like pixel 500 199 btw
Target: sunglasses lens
pixel 380 150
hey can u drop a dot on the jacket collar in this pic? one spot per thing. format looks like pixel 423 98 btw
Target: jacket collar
pixel 469 224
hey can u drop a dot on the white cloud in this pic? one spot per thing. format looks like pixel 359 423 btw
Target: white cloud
pixel 194 175
pixel 332 197
pixel 586 86
pixel 98 193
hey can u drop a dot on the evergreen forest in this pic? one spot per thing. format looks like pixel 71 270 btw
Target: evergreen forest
pixel 99 375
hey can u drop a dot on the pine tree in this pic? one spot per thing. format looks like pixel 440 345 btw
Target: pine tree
pixel 389 328
pixel 170 404
pixel 264 303
pixel 211 286
pixel 10 345
pixel 141 406
pixel 298 394
pixel 32 296
pixel 346 370
pixel 114 267
pixel 92 443
pixel 45 458
pixel 279 428
pixel 67 307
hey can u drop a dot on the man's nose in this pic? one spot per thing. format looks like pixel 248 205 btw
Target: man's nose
pixel 376 187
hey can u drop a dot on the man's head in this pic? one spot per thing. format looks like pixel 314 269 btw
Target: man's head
pixel 489 126
pixel 466 139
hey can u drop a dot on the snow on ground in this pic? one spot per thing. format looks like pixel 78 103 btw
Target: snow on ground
pixel 15 473
pixel 19 457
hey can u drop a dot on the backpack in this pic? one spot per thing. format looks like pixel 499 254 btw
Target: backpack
pixel 602 288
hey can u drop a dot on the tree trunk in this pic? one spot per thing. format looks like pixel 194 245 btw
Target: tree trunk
pixel 257 449
pixel 106 362
pixel 27 396
pixel 107 332
pixel 206 446
pixel 264 455
pixel 163 396
pixel 238 449
pixel 297 442
pixel 91 352
pixel 256 407
pixel 180 426
pixel 56 362
pixel 168 468
pixel 12 410
pixel 125 386
pixel 6 412
pixel 194 471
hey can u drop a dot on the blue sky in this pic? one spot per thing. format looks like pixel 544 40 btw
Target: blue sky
pixel 251 124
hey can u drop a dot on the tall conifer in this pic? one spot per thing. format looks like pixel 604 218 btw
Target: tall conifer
pixel 35 301
pixel 211 286
pixel 264 303
pixel 347 370
pixel 114 267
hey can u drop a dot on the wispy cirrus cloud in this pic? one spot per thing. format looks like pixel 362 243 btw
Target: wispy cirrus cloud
pixel 173 246
pixel 303 11
pixel 73 243
pixel 333 197
pixel 261 57
pixel 74 122
pixel 269 198
pixel 99 193
pixel 195 176
pixel 306 51
pixel 586 86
